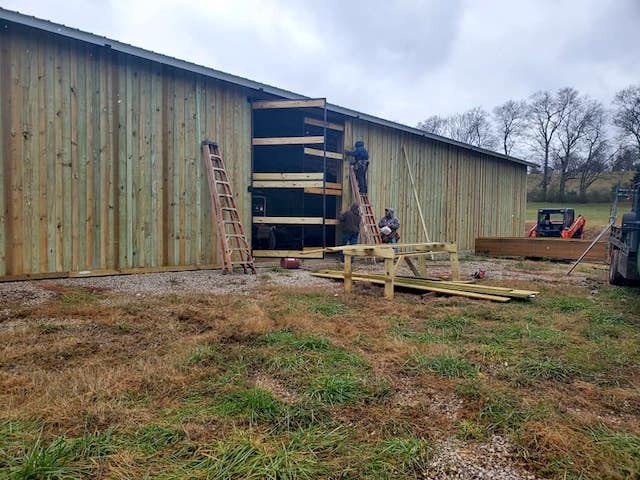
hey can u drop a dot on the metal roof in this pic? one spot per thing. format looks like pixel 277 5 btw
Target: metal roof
pixel 59 29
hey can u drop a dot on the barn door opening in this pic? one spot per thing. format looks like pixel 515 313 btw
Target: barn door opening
pixel 296 175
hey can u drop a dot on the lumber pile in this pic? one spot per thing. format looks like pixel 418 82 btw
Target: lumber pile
pixel 463 289
pixel 549 248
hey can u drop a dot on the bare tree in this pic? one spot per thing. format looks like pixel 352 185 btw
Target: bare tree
pixel 472 127
pixel 545 115
pixel 510 118
pixel 626 115
pixel 578 113
pixel 596 156
pixel 435 124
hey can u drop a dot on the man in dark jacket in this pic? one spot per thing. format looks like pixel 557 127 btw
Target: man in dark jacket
pixel 360 164
pixel 350 223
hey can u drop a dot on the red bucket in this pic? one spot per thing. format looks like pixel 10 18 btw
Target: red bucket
pixel 290 262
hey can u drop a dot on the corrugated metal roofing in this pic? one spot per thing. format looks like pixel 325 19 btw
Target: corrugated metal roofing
pixel 77 34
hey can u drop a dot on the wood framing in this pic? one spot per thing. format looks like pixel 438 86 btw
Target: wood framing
pixel 289 140
pixel 289 220
pixel 552 248
pixel 319 123
pixel 393 255
pixel 289 176
pixel 321 191
pixel 287 184
pixel 321 153
pixel 312 103
pixel 287 253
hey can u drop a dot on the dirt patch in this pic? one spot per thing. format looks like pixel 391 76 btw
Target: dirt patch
pixel 272 385
pixel 491 460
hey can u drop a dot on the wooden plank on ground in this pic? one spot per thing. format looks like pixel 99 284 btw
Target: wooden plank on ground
pixel 289 176
pixel 311 103
pixel 402 282
pixel 311 140
pixel 551 248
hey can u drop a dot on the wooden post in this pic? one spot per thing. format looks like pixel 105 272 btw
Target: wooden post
pixel 422 266
pixel 348 282
pixel 455 265
pixel 415 195
pixel 388 277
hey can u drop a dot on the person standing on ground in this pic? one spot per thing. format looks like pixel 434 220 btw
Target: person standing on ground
pixel 360 164
pixel 389 225
pixel 350 223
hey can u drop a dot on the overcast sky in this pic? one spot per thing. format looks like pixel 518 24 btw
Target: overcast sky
pixel 401 60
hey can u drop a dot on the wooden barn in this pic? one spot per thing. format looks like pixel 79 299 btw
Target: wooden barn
pixel 100 167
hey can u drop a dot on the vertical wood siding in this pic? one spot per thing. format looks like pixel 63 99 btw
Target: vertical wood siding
pixel 100 163
pixel 463 194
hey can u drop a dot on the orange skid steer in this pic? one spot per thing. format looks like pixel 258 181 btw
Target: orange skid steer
pixel 558 223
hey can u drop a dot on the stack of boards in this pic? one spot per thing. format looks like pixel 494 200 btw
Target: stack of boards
pixel 463 289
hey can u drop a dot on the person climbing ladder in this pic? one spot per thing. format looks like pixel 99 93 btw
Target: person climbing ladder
pixel 360 164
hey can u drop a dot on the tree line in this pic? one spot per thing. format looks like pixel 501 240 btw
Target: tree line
pixel 564 132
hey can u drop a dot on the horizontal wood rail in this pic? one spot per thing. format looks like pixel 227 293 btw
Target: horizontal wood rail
pixel 289 140
pixel 312 103
pixel 321 153
pixel 319 123
pixel 287 253
pixel 321 191
pixel 287 183
pixel 289 220
pixel 289 176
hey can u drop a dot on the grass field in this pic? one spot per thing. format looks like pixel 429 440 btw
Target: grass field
pixel 304 383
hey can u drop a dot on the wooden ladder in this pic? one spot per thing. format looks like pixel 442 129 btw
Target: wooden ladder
pixel 368 225
pixel 232 242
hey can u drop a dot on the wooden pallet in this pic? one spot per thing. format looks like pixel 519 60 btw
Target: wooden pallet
pixel 548 248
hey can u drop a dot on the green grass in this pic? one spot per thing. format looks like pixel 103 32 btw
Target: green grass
pixel 324 387
pixel 444 365
pixel 248 457
pixel 597 214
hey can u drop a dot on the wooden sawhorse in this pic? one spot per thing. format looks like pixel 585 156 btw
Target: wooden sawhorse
pixel 393 259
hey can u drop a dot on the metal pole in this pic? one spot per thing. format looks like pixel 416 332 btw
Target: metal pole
pixel 589 247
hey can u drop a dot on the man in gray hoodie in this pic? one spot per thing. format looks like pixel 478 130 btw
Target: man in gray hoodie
pixel 392 223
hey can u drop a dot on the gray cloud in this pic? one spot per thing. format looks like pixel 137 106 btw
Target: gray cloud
pixel 403 60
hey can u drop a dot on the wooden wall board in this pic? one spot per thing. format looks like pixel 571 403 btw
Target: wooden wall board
pixel 288 176
pixel 549 248
pixel 310 140
pixel 321 191
pixel 321 153
pixel 289 220
pixel 265 104
pixel 287 183
pixel 286 253
pixel 320 123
